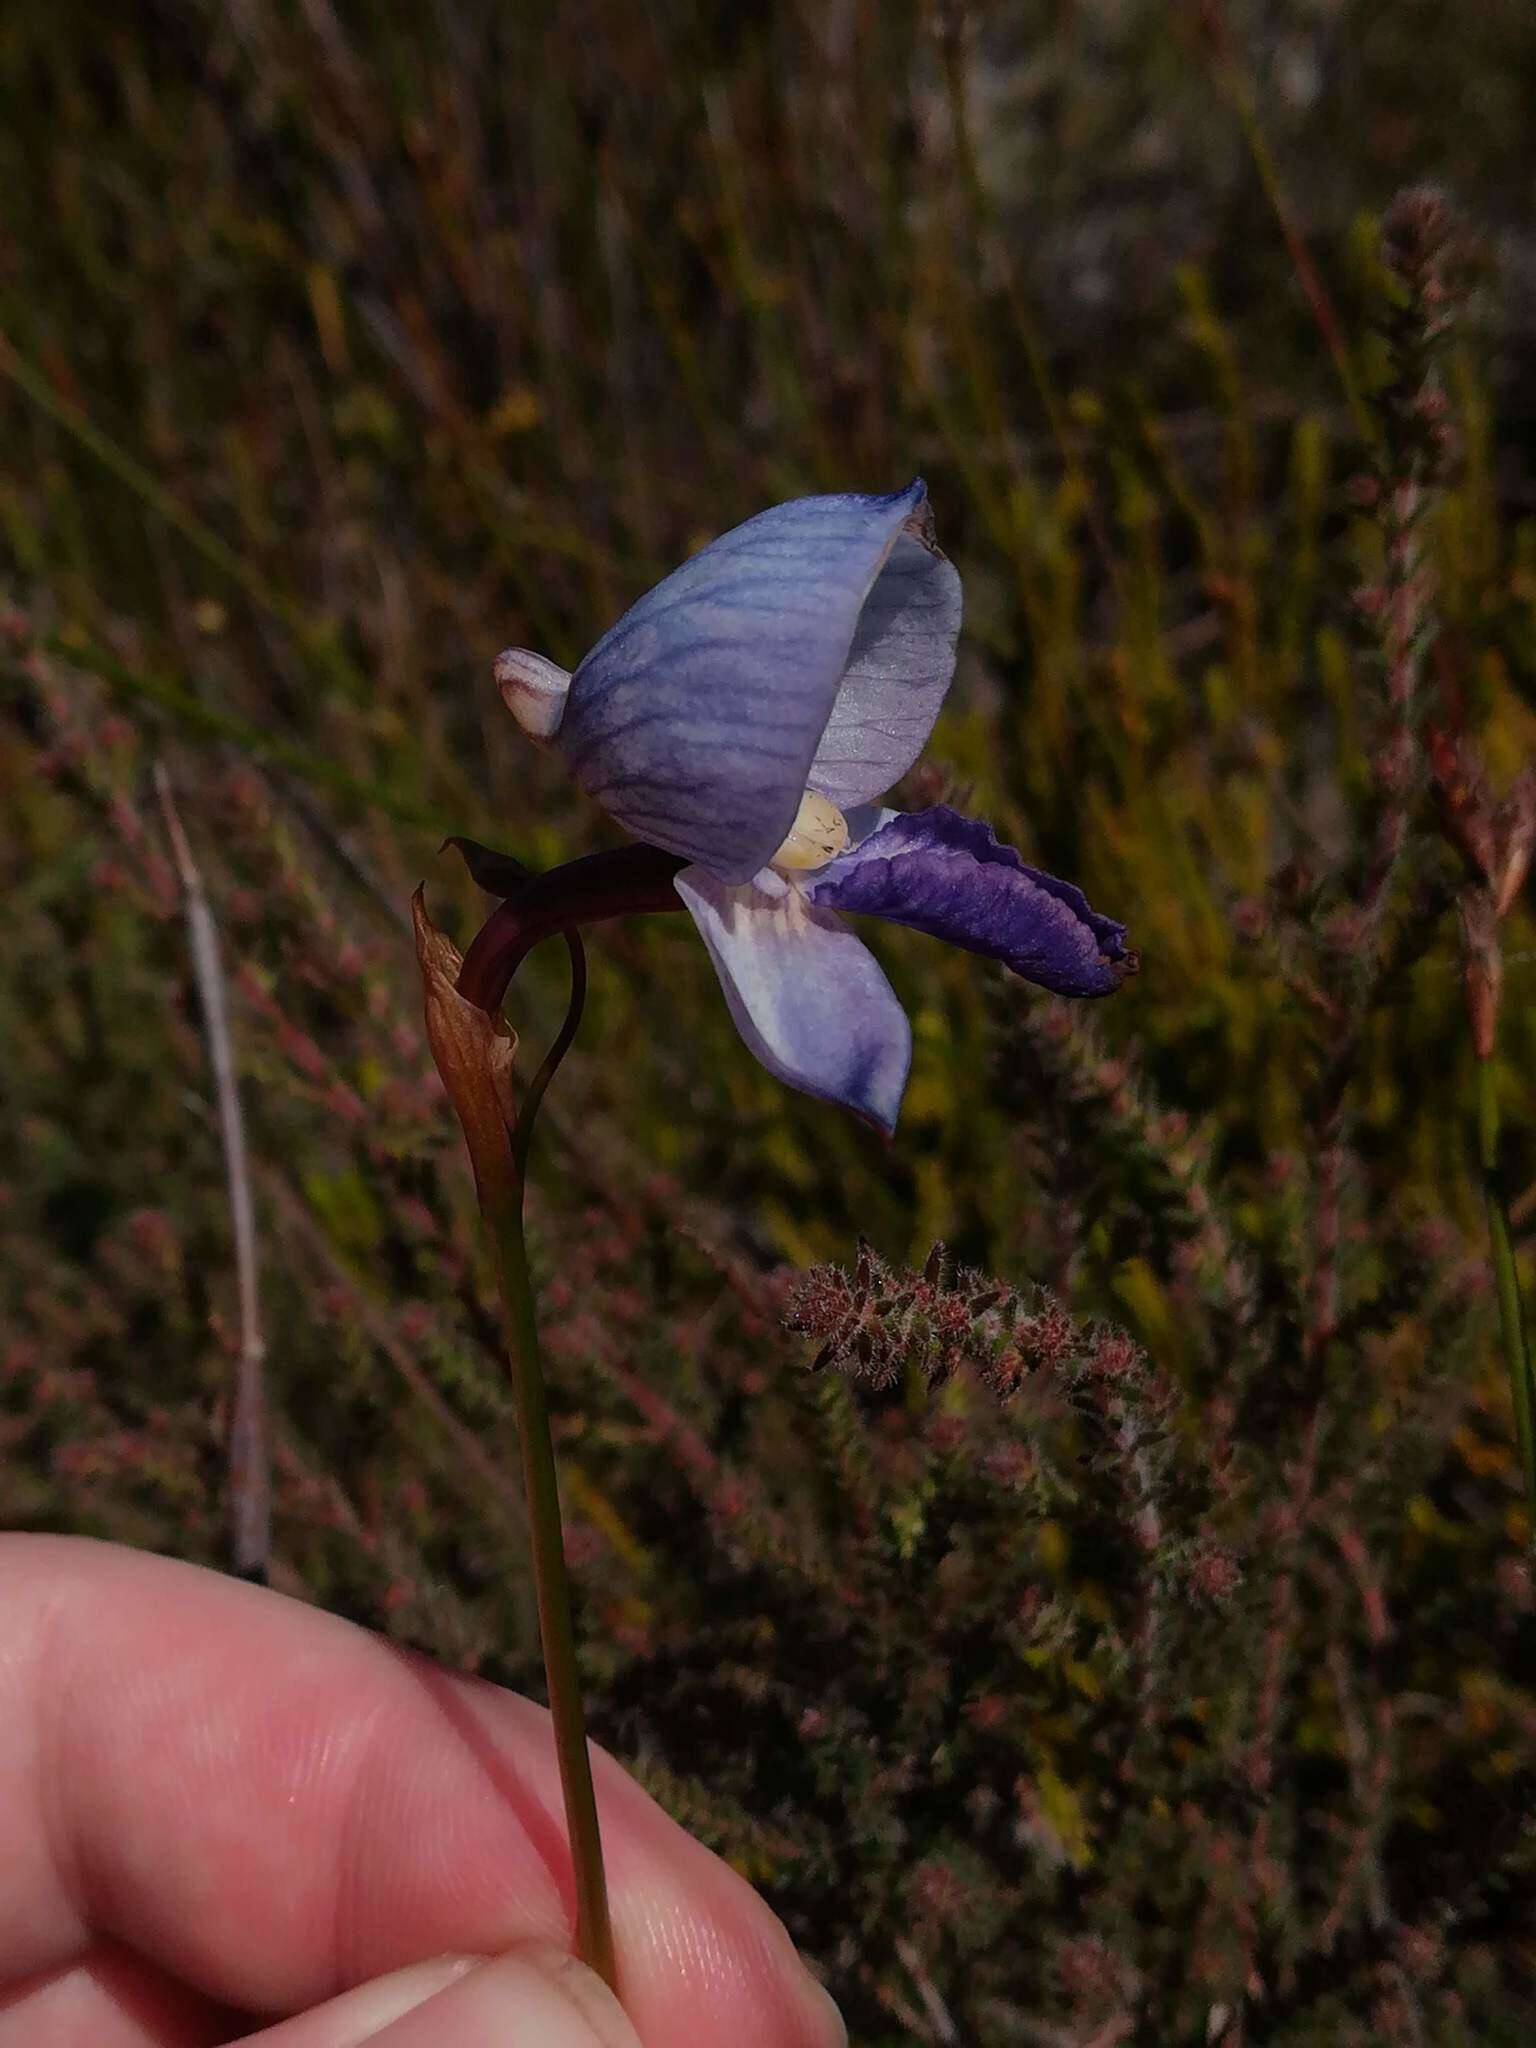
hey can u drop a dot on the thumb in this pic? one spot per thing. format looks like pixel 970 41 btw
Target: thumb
pixel 533 1997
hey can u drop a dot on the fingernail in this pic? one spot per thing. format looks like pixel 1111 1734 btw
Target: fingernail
pixel 359 2015
pixel 535 1997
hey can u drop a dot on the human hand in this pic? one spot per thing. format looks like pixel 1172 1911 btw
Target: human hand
pixel 223 1809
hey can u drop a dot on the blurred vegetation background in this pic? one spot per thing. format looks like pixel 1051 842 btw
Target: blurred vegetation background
pixel 1055 1687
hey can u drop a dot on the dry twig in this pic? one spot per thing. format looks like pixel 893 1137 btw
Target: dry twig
pixel 250 1478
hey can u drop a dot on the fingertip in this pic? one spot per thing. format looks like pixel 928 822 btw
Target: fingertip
pixel 702 1957
pixel 705 1959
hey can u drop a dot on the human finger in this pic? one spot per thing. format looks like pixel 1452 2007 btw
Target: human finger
pixel 108 1998
pixel 535 1997
pixel 274 1806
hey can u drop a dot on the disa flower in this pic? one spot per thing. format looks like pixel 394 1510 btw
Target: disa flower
pixel 745 716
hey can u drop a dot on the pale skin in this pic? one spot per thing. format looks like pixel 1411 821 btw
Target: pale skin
pixel 231 1817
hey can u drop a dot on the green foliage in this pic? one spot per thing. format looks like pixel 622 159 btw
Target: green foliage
pixel 1187 1701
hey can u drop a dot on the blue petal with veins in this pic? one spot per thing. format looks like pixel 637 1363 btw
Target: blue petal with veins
pixel 808 996
pixel 810 646
pixel 897 674
pixel 943 873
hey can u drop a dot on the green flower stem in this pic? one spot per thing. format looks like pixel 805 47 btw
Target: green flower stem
pixel 500 1159
pixel 1511 1315
pixel 503 1215
pixel 473 1053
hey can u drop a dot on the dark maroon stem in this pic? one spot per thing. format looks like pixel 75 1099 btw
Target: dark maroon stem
pixel 621 883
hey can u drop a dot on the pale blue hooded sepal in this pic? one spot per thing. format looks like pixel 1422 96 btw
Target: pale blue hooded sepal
pixel 806 994
pixel 809 647
pixel 898 672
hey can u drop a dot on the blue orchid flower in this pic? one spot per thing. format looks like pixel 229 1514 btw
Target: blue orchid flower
pixel 744 716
